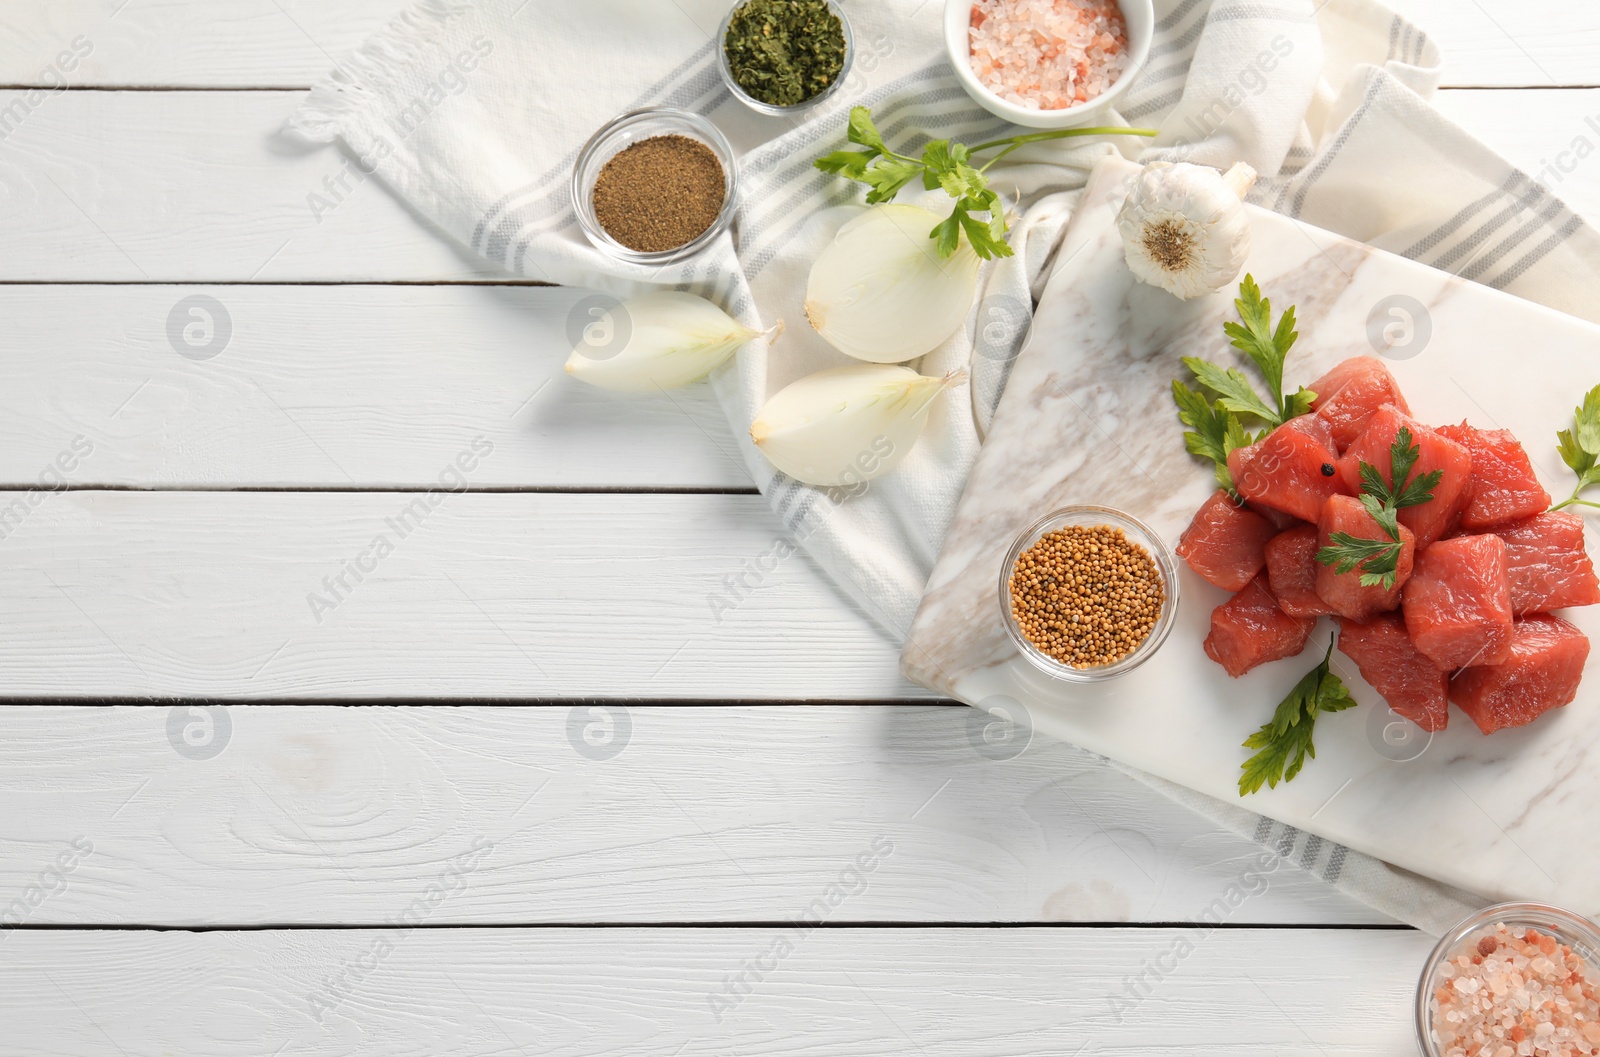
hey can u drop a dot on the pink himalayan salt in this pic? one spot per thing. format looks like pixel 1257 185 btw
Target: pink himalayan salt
pixel 1515 992
pixel 1047 54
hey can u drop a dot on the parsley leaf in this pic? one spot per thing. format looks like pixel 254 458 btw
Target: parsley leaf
pixel 948 165
pixel 1232 388
pixel 862 130
pixel 887 179
pixel 1283 744
pixel 1379 559
pixel 1267 348
pixel 948 233
pixel 1255 336
pixel 1216 430
pixel 1213 432
pixel 1580 447
pixel 1385 517
pixel 1420 490
pixel 1403 456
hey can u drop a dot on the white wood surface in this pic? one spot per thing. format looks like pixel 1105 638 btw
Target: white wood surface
pixel 293 43
pixel 205 190
pixel 319 815
pixel 197 187
pixel 334 386
pixel 846 992
pixel 482 595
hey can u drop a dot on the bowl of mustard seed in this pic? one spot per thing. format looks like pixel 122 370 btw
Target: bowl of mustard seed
pixel 655 185
pixel 783 57
pixel 1088 593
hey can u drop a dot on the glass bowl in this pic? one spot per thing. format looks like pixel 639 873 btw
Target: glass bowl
pixel 798 108
pixel 1137 532
pixel 624 132
pixel 1574 930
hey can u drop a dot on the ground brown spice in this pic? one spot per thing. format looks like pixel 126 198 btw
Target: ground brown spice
pixel 1086 595
pixel 660 193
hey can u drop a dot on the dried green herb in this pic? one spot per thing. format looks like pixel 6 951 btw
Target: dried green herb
pixel 783 52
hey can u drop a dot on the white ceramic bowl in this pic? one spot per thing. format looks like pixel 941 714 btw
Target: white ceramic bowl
pixel 1140 16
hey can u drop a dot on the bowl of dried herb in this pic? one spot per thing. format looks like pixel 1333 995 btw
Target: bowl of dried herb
pixel 655 185
pixel 782 57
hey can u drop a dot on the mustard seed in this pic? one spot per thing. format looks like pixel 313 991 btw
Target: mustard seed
pixel 1086 595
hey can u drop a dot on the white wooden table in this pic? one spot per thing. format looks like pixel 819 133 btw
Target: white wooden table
pixel 517 790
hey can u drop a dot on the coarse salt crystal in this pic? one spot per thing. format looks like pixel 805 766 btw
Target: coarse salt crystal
pixel 1529 995
pixel 1047 54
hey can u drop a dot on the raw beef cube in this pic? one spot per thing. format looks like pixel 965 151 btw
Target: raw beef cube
pixel 1431 520
pixel 1249 630
pixel 1343 592
pixel 1541 672
pixel 1292 572
pixel 1548 564
pixel 1225 543
pixel 1350 394
pixel 1413 686
pixel 1504 487
pixel 1280 521
pixel 1292 469
pixel 1458 602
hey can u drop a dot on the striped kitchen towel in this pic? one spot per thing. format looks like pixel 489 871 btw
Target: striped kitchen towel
pixel 475 112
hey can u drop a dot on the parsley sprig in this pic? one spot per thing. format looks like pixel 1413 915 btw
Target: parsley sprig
pixel 1283 744
pixel 978 210
pixel 1215 429
pixel 1580 448
pixel 1379 559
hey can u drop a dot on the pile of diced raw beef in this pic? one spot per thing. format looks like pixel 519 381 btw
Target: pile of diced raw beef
pixel 1483 564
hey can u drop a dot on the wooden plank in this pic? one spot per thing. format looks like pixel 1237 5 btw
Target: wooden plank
pixel 474 595
pixel 846 992
pixel 292 43
pixel 199 187
pixel 192 43
pixel 206 192
pixel 323 815
pixel 1509 43
pixel 336 386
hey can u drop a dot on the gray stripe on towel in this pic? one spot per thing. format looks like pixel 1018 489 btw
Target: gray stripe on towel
pixel 1467 212
pixel 1552 209
pixel 1520 203
pixel 1176 15
pixel 1335 865
pixel 1538 253
pixel 1332 153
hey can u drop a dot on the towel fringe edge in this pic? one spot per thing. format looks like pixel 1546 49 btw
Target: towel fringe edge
pixel 349 89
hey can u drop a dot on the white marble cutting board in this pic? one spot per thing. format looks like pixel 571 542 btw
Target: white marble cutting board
pixel 1087 417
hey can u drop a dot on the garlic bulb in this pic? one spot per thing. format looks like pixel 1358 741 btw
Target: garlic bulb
pixel 880 292
pixel 659 340
pixel 847 425
pixel 1184 227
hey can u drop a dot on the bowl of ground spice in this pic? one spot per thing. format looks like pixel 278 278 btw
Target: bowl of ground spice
pixel 782 57
pixel 655 185
pixel 1512 980
pixel 1088 593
